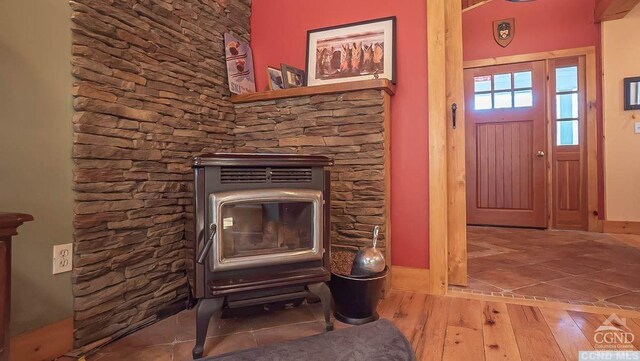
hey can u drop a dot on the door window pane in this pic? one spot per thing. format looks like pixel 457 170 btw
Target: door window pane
pixel 567 79
pixel 502 100
pixel 567 106
pixel 483 101
pixel 502 81
pixel 567 132
pixel 482 83
pixel 523 98
pixel 522 80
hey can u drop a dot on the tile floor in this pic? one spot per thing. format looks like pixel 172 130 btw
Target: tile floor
pixel 172 339
pixel 568 266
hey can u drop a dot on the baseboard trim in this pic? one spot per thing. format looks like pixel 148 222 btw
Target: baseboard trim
pixel 621 227
pixel 44 343
pixel 409 279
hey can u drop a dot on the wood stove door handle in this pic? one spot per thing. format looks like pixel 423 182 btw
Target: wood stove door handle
pixel 207 246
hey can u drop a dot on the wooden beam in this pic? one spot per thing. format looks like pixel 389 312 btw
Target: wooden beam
pixel 437 99
pixel 387 180
pixel 613 9
pixel 472 4
pixel 594 224
pixel 456 179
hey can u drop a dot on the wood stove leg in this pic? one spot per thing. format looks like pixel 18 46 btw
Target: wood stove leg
pixel 206 308
pixel 322 291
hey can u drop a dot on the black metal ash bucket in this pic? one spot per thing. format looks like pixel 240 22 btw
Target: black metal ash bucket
pixel 356 298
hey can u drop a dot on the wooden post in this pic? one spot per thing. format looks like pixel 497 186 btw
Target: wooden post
pixel 438 122
pixel 456 179
pixel 9 223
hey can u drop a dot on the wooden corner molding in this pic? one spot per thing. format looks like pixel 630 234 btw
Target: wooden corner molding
pixel 621 227
pixel 374 84
pixel 472 4
pixel 409 279
pixel 613 9
pixel 45 343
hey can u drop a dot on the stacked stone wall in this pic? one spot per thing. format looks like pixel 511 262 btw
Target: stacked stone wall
pixel 348 127
pixel 150 92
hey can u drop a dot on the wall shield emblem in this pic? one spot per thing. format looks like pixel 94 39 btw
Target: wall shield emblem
pixel 504 31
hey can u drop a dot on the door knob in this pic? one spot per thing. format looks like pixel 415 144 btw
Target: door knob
pixel 540 154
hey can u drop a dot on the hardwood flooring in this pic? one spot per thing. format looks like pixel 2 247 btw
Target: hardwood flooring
pixel 439 328
pixel 448 328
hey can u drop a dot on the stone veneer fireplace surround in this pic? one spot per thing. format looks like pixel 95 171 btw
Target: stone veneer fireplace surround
pixel 150 93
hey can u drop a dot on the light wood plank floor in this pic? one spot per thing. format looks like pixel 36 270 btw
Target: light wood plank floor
pixel 439 328
pixel 448 328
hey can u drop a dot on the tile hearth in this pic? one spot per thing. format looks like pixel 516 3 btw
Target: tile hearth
pixel 173 338
pixel 567 266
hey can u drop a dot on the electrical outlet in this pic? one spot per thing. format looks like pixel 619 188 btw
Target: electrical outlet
pixel 637 128
pixel 62 258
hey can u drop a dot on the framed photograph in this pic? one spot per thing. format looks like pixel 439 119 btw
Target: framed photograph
pixel 350 52
pixel 239 60
pixel 275 78
pixel 632 93
pixel 293 77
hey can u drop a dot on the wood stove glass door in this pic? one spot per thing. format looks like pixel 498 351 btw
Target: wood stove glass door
pixel 266 227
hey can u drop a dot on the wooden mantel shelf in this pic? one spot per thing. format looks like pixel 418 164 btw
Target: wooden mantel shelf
pixel 376 84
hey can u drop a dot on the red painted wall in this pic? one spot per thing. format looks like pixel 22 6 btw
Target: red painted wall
pixel 279 35
pixel 541 25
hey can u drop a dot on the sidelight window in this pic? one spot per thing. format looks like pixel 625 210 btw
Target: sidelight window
pixel 503 91
pixel 567 115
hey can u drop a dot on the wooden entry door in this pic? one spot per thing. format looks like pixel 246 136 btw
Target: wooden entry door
pixel 506 145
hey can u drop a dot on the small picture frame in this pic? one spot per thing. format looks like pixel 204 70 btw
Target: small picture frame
pixel 275 79
pixel 292 76
pixel 632 93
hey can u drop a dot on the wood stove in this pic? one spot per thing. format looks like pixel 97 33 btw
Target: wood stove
pixel 263 232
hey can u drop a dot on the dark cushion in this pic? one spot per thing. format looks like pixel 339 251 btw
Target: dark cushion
pixel 376 341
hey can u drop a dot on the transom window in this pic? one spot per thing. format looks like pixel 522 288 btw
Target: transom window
pixel 567 106
pixel 503 91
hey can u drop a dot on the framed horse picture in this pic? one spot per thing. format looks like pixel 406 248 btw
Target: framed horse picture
pixel 350 52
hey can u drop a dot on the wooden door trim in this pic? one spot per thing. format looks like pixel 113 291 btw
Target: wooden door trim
pixel 437 125
pixel 523 58
pixel 593 222
pixel 439 187
pixel 456 178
